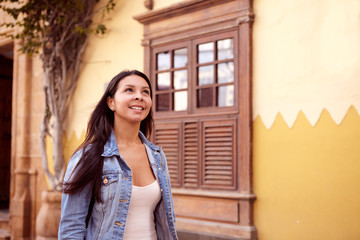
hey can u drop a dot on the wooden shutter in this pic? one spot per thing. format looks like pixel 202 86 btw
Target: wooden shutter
pixel 219 141
pixel 167 136
pixel 191 154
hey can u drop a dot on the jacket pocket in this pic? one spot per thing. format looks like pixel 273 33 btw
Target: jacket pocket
pixel 109 184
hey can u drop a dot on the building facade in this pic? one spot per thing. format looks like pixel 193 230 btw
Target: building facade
pixel 256 105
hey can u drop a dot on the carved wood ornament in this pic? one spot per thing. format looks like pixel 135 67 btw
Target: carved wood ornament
pixel 149 4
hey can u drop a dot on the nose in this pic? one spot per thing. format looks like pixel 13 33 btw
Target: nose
pixel 138 96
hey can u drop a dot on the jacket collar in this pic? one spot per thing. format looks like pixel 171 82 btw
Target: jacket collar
pixel 111 149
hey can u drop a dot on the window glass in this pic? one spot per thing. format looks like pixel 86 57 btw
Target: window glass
pixel 225 72
pixel 205 97
pixel 180 58
pixel 162 102
pixel 180 101
pixel 163 81
pixel 226 96
pixel 180 79
pixel 206 52
pixel 163 61
pixel 225 49
pixel 206 75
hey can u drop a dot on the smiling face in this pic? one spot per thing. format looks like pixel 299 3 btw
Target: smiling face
pixel 131 102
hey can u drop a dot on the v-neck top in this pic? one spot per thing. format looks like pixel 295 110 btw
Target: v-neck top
pixel 140 223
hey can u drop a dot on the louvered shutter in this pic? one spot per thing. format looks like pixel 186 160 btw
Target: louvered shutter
pixel 219 154
pixel 167 136
pixel 191 154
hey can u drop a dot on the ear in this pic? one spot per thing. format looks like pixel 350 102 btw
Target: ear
pixel 110 103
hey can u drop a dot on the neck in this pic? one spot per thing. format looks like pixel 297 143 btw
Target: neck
pixel 126 134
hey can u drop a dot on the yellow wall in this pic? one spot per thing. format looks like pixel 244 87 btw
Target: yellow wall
pixel 307 179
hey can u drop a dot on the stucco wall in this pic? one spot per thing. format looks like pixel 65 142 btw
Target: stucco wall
pixel 106 56
pixel 306 96
pixel 306 57
pixel 306 102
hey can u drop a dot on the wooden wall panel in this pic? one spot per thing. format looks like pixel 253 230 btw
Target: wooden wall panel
pixel 214 209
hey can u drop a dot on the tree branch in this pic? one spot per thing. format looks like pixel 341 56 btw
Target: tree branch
pixel 44 131
pixel 61 30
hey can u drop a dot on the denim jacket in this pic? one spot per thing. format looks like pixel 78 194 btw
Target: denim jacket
pixel 108 219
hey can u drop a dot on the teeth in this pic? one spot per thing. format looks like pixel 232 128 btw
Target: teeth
pixel 137 108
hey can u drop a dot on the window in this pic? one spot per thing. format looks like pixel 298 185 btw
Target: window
pixel 198 56
pixel 213 84
pixel 197 76
pixel 172 80
pixel 215 73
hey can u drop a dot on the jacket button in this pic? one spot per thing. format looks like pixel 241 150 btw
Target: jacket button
pixel 105 181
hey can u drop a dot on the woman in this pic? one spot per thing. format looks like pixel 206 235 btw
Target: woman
pixel 117 183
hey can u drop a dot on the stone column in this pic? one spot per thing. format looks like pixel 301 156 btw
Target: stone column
pixel 20 203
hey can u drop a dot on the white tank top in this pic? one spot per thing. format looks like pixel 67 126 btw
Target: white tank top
pixel 140 222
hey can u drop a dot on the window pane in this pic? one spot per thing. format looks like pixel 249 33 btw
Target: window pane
pixel 205 97
pixel 162 102
pixel 163 81
pixel 206 52
pixel 180 101
pixel 226 96
pixel 163 61
pixel 180 58
pixel 225 49
pixel 206 75
pixel 225 72
pixel 180 79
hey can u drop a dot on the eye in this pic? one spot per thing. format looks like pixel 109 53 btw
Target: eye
pixel 147 92
pixel 128 90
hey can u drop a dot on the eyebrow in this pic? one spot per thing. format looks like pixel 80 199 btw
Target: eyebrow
pixel 129 85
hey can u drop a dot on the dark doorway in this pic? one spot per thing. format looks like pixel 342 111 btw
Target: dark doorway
pixel 6 76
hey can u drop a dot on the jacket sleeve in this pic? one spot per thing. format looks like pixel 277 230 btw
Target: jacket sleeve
pixel 74 207
pixel 169 183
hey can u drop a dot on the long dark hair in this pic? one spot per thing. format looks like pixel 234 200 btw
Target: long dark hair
pixel 90 166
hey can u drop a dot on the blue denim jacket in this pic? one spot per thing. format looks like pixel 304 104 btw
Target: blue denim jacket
pixel 108 219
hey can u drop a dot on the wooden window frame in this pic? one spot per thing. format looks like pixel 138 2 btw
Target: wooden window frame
pixel 223 34
pixel 191 45
pixel 157 50
pixel 202 18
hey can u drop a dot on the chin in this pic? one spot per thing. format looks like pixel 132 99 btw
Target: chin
pixel 137 120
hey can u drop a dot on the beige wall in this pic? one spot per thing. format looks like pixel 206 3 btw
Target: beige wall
pixel 306 57
pixel 106 56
